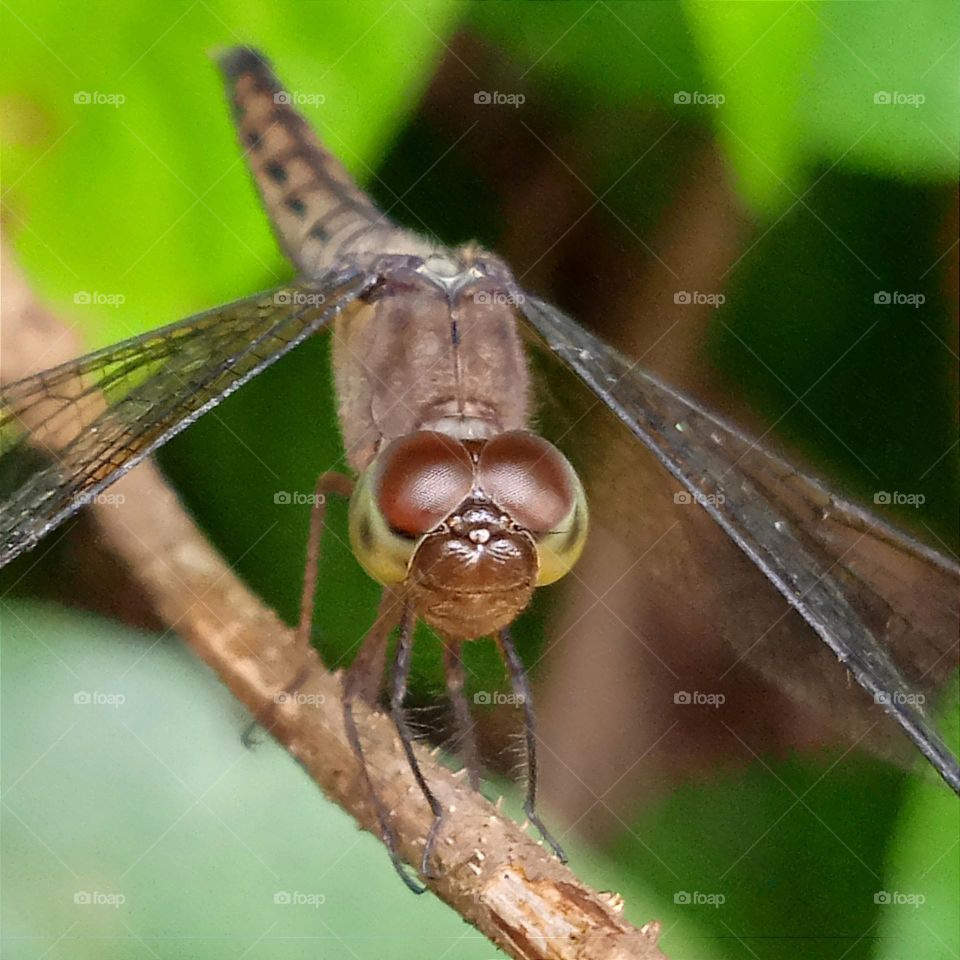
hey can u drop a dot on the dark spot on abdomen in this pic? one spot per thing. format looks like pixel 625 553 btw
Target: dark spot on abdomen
pixel 276 172
pixel 296 206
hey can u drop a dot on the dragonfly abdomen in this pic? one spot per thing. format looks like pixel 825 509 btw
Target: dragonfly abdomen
pixel 316 209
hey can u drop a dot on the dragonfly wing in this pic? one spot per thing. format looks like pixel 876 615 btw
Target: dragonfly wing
pixel 67 433
pixel 883 603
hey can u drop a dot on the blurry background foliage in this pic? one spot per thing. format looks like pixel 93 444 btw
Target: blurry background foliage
pixel 846 194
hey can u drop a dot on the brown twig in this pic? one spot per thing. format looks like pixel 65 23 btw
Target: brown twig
pixel 489 870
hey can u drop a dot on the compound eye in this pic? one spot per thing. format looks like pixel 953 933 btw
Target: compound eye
pixel 529 479
pixel 532 482
pixel 420 480
pixel 413 485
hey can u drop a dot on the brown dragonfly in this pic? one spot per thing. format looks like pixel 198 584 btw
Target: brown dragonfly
pixel 458 508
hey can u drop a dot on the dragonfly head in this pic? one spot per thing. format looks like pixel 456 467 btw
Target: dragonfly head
pixel 468 527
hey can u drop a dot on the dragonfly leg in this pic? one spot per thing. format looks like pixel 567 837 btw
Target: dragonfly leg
pixel 401 672
pixel 521 688
pixel 327 483
pixel 465 735
pixel 358 684
pixel 365 674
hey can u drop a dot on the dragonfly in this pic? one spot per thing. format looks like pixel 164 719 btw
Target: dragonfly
pixel 456 506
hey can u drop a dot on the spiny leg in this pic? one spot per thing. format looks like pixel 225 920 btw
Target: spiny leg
pixel 365 674
pixel 465 736
pixel 521 688
pixel 358 682
pixel 327 483
pixel 401 672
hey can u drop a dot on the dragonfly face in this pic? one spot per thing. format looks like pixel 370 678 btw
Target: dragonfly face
pixel 468 527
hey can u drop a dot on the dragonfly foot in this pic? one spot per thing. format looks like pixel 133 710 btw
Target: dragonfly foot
pixel 548 837
pixel 403 871
pixel 249 736
pixel 425 867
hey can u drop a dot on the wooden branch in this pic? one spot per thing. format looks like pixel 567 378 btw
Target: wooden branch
pixel 490 871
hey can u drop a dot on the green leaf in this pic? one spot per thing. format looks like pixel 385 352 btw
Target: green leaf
pixel 137 824
pixel 139 199
pixel 882 93
pixel 917 905
pixel 754 57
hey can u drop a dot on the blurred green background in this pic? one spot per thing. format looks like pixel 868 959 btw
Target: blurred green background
pixel 837 128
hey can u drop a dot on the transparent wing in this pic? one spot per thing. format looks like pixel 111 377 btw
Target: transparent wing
pixel 69 432
pixel 883 603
